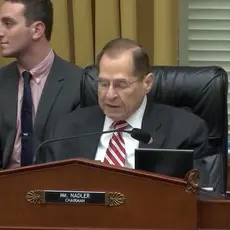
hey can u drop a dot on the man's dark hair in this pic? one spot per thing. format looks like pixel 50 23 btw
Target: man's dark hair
pixel 118 46
pixel 38 10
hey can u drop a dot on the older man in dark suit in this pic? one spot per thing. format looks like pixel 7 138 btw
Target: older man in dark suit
pixel 124 80
pixel 36 89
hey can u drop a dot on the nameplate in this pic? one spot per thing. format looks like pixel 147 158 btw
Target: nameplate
pixel 75 197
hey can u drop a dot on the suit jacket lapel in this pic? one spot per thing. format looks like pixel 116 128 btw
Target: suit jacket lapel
pixel 90 149
pixel 51 89
pixel 153 124
pixel 10 108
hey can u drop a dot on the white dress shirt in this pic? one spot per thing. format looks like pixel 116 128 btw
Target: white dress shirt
pixel 131 144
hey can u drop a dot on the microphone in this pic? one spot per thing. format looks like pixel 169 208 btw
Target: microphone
pixel 135 133
pixel 141 136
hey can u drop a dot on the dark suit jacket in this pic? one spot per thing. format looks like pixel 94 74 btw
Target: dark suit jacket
pixel 169 127
pixel 61 95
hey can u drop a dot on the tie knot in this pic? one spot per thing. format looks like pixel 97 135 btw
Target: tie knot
pixel 120 125
pixel 26 76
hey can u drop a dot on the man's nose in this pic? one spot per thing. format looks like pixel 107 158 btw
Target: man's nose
pixel 111 93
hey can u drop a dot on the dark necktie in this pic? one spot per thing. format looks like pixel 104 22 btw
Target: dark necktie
pixel 26 122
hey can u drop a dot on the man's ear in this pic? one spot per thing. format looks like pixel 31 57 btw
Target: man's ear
pixel 148 81
pixel 37 30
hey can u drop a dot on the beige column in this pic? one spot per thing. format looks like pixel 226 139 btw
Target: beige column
pixel 83 32
pixel 60 34
pixel 107 22
pixel 128 19
pixel 145 25
pixel 165 32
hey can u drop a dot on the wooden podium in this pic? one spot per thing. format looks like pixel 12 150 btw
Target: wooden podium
pixel 81 194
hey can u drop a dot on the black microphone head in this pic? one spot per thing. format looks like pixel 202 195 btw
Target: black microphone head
pixel 141 136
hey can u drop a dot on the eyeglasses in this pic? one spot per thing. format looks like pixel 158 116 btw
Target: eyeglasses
pixel 118 84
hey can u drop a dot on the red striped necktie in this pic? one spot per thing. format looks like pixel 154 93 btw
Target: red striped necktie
pixel 115 153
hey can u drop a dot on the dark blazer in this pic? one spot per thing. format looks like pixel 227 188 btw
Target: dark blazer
pixel 169 127
pixel 61 95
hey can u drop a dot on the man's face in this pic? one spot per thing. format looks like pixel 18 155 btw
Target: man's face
pixel 15 35
pixel 120 93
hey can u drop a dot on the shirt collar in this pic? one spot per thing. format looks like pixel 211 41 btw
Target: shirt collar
pixel 134 121
pixel 41 69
